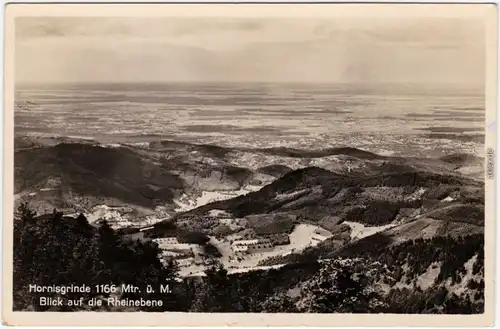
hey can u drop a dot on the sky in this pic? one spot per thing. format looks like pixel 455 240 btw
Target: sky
pixel 419 49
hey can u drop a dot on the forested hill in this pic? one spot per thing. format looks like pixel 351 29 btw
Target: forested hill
pixel 421 276
pixel 70 174
pixel 53 249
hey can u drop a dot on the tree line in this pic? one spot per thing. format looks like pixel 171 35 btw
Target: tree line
pixel 54 249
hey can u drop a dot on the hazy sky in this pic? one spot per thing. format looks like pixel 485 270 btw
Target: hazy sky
pixel 409 49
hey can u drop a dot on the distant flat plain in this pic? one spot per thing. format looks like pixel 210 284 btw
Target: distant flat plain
pixel 388 119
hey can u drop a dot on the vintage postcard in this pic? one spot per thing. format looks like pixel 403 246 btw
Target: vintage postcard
pixel 249 164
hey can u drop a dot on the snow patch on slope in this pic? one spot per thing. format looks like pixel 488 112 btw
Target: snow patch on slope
pixel 427 279
pixel 417 195
pixel 104 212
pixel 360 231
pixel 285 196
pixel 461 288
pixel 186 203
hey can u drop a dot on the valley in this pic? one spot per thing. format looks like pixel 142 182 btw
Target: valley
pixel 203 194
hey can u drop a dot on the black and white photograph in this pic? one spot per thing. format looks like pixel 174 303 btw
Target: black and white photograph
pixel 251 164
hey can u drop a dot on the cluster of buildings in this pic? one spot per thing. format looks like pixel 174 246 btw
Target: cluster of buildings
pixel 172 240
pixel 240 247
pixel 320 234
pixel 191 255
pixel 185 254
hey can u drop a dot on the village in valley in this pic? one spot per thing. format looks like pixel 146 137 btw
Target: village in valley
pixel 239 250
pixel 237 253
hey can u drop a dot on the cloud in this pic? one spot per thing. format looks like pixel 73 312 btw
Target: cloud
pixel 421 50
pixel 38 27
